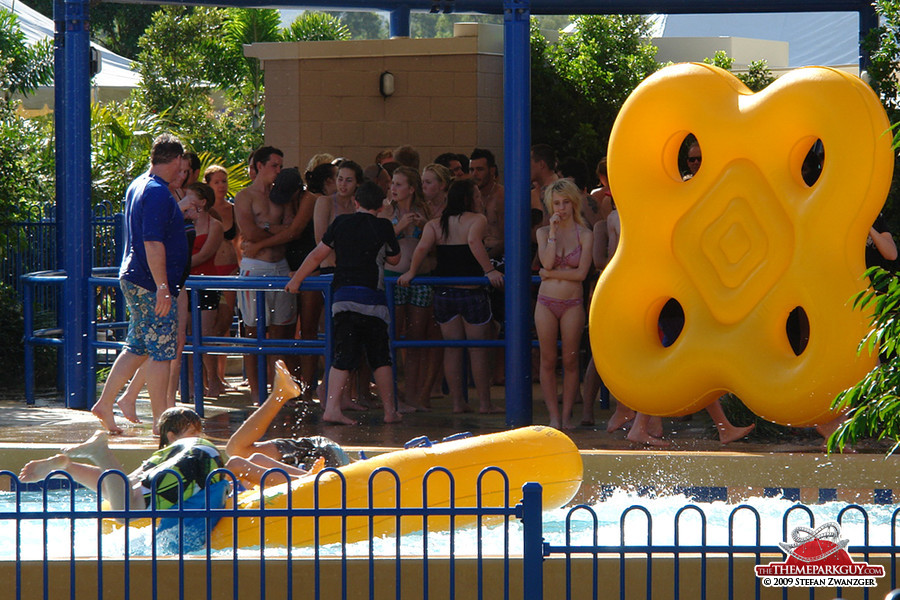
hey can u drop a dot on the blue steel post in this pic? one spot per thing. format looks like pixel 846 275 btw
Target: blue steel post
pixel 868 20
pixel 73 192
pixel 532 542
pixel 400 22
pixel 59 66
pixel 517 144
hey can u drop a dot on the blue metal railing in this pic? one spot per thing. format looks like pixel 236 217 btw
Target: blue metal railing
pixel 703 552
pixel 113 550
pixel 110 318
pixel 337 569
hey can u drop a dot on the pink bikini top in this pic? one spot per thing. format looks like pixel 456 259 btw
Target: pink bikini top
pixel 572 259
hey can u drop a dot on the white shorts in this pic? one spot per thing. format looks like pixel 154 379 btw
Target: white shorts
pixel 281 307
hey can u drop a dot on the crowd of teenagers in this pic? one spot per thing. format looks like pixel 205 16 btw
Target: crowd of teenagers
pixel 393 218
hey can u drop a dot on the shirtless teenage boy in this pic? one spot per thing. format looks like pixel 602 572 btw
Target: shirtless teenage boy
pixel 256 214
pixel 483 168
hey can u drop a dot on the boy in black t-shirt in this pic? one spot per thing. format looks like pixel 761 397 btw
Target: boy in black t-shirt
pixel 359 306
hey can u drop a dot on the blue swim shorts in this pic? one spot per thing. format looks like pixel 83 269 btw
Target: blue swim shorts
pixel 149 334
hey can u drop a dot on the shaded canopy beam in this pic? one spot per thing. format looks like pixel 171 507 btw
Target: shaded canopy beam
pixel 556 7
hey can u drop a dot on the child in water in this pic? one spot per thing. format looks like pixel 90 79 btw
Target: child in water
pixel 181 449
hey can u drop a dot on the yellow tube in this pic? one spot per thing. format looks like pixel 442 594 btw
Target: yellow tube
pixel 540 454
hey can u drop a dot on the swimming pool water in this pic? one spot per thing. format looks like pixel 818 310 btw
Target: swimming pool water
pixel 63 539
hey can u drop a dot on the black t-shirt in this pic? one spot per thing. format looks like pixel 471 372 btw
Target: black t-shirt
pixel 357 239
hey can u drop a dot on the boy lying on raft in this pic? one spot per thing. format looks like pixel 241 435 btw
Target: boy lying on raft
pixel 181 449
pixel 250 457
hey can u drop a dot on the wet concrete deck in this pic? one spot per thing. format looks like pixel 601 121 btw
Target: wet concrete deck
pixel 49 424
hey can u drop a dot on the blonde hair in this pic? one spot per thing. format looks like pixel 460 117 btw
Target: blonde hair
pixel 441 172
pixel 318 159
pixel 415 180
pixel 570 191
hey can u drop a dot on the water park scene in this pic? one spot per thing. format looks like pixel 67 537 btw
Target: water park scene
pixel 449 299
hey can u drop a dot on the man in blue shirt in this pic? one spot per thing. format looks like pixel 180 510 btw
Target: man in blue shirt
pixel 155 257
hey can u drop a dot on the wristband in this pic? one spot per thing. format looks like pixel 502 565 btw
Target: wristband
pixel 491 271
pixel 163 286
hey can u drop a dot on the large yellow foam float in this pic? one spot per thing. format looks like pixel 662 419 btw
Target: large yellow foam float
pixel 743 243
pixel 540 454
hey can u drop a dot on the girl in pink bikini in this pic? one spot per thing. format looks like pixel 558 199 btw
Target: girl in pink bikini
pixel 564 251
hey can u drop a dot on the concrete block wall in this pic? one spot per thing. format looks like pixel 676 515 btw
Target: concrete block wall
pixel 325 97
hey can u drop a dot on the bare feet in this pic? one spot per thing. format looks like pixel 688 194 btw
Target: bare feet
pixel 392 417
pixel 106 416
pixel 37 470
pixel 129 409
pixel 405 408
pixel 216 389
pixel 554 423
pixel 337 419
pixel 620 417
pixel 284 387
pixel 644 438
pixel 732 434
pixel 354 406
pixel 490 410
pixel 95 449
pixel 461 408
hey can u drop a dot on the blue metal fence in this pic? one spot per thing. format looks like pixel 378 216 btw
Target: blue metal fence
pixel 111 322
pixel 395 567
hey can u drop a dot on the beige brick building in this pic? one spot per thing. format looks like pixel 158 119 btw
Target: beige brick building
pixel 326 97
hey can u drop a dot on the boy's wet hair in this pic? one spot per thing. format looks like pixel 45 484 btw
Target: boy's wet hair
pixel 369 195
pixel 176 420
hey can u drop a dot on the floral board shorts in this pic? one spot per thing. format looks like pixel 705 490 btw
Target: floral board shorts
pixel 149 334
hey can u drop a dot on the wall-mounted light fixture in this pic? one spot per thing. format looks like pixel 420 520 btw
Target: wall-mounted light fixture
pixel 386 84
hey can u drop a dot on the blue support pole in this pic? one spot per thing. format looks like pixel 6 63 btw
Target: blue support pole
pixel 59 66
pixel 400 22
pixel 868 20
pixel 73 192
pixel 532 541
pixel 517 179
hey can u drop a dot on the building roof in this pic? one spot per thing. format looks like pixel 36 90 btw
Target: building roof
pixel 822 38
pixel 115 72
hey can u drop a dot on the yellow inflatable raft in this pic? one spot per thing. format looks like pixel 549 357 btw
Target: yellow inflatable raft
pixel 539 454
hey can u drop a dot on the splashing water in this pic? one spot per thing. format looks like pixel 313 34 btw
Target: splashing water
pixel 62 537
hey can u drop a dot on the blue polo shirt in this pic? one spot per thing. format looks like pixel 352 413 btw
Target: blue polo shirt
pixel 152 215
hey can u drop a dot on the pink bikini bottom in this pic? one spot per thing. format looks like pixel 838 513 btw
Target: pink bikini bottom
pixel 558 307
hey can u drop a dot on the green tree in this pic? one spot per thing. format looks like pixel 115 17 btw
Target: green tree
pixel 873 405
pixel 758 74
pixel 175 60
pixel 118 27
pixel 247 81
pixel 23 67
pixel 440 25
pixel 580 83
pixel 316 26
pixel 121 137
pixel 26 145
pixel 363 25
pixel 883 46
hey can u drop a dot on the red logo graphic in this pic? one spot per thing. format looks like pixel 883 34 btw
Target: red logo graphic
pixel 818 557
pixel 816 546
